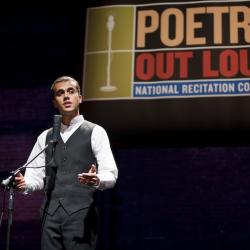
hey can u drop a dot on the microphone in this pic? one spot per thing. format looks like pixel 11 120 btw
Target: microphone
pixel 55 136
pixel 6 182
pixel 54 139
pixel 56 129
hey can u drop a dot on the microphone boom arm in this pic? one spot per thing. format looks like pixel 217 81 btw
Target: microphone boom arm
pixel 9 181
pixel 55 134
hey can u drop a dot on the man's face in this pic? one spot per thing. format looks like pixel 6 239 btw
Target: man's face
pixel 67 98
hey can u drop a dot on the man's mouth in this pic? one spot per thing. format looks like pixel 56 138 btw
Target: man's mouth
pixel 67 104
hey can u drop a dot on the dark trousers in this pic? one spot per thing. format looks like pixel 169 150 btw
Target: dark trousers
pixel 63 231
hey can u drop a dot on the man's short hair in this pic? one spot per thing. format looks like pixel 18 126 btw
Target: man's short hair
pixel 64 79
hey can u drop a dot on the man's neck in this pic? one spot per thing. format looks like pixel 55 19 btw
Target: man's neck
pixel 66 119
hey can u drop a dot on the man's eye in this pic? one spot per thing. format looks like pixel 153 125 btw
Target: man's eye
pixel 71 91
pixel 59 93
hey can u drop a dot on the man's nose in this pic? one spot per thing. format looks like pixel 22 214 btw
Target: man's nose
pixel 66 95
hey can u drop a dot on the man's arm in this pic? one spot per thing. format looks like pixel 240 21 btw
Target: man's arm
pixel 34 174
pixel 107 173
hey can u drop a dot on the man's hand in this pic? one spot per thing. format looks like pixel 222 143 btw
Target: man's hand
pixel 89 178
pixel 20 184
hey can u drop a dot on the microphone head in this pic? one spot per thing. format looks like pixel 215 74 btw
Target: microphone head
pixel 56 128
pixel 7 181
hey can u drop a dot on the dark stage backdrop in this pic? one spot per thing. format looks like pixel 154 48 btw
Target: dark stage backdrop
pixel 183 184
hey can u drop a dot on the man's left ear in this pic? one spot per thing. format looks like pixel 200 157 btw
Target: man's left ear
pixel 81 98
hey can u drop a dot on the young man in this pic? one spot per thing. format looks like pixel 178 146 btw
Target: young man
pixel 82 161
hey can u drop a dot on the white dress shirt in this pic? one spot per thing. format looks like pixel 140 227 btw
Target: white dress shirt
pixel 107 169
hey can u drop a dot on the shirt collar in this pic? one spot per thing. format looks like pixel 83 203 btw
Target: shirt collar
pixel 76 120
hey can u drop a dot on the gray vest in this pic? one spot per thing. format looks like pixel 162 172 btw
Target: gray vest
pixel 70 158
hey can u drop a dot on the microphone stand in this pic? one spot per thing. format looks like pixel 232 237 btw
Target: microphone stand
pixel 9 184
pixel 10 213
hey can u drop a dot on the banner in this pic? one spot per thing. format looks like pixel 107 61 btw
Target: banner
pixel 166 50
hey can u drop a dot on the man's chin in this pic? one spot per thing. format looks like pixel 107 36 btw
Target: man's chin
pixel 69 112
